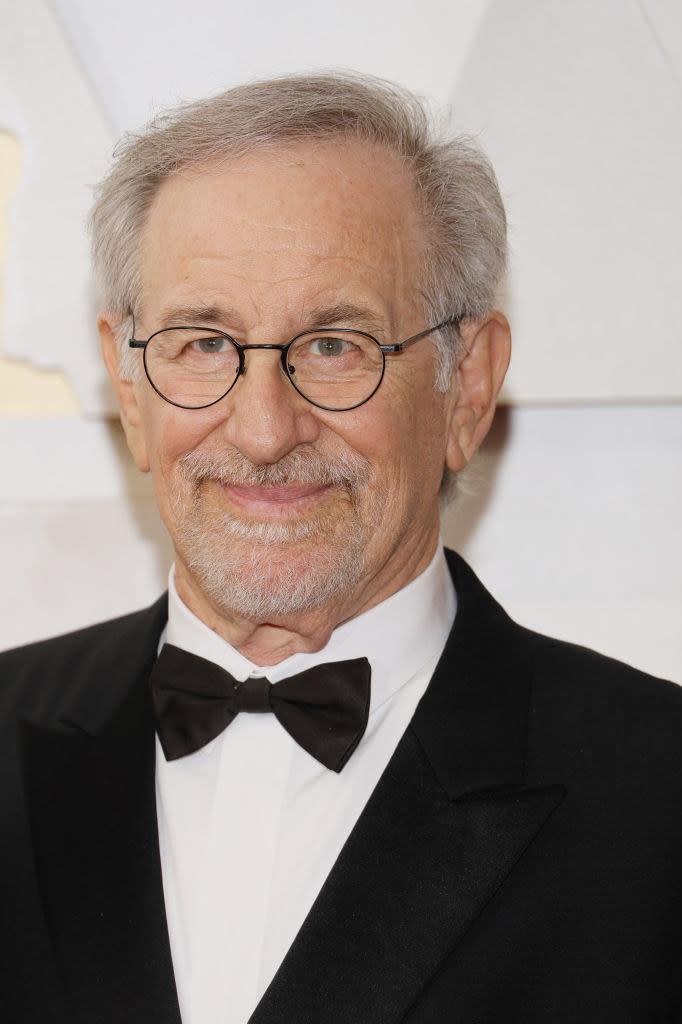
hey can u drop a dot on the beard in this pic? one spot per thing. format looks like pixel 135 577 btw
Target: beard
pixel 264 569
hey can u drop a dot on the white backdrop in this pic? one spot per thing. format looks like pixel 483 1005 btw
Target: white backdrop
pixel 576 522
pixel 579 104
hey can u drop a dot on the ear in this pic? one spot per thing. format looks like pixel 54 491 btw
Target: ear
pixel 131 416
pixel 476 385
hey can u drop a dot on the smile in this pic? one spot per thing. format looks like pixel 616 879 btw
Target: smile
pixel 276 502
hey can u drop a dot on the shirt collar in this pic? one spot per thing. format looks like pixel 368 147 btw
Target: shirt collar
pixel 399 636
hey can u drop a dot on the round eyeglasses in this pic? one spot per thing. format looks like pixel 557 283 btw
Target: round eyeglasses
pixel 336 369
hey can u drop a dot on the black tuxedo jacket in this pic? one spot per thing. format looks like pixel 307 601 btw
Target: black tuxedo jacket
pixel 519 861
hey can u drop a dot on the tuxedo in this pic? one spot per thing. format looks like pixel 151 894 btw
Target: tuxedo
pixel 520 859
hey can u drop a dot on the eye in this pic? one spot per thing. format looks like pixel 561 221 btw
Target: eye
pixel 321 355
pixel 209 346
pixel 330 346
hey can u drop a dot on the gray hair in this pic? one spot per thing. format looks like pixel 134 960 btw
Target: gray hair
pixel 465 251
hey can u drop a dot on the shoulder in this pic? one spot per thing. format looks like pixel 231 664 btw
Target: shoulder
pixel 588 678
pixel 584 708
pixel 556 663
pixel 588 709
pixel 599 675
pixel 41 677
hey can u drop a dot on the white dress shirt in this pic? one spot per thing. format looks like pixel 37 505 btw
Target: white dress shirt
pixel 251 825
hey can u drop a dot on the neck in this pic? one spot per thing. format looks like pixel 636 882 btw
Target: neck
pixel 269 643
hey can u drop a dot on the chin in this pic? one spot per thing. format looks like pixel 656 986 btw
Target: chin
pixel 269 582
pixel 263 571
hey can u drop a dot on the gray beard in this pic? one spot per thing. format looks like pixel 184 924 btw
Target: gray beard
pixel 255 569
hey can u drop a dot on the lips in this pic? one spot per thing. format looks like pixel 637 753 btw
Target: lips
pixel 294 499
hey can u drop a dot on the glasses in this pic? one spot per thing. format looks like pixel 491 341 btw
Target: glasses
pixel 337 370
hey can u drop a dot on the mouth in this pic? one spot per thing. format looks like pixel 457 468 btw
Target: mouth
pixel 284 502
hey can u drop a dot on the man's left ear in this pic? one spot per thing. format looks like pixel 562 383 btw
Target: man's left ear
pixel 476 385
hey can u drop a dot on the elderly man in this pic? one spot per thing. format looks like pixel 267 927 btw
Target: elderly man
pixel 326 780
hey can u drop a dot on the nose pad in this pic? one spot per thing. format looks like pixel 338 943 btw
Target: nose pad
pixel 287 367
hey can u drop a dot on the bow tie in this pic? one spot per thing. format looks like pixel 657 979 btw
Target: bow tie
pixel 324 709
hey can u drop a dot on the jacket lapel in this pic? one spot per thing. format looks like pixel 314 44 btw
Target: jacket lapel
pixel 90 789
pixel 447 822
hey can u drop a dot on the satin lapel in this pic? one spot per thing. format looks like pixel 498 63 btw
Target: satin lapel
pixel 93 819
pixel 447 822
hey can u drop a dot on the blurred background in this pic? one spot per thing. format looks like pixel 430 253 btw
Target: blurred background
pixel 573 511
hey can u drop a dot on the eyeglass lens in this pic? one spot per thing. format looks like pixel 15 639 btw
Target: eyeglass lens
pixel 194 367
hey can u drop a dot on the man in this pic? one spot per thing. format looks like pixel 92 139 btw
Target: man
pixel 461 821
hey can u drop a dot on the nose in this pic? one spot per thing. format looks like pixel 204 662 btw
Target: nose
pixel 267 417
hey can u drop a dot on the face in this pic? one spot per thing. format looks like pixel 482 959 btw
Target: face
pixel 274 506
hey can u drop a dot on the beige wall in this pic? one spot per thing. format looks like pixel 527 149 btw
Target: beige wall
pixel 24 389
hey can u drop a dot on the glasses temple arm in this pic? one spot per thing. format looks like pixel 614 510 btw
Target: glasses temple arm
pixel 452 321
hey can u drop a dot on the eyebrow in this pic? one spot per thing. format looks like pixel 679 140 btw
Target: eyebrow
pixel 196 315
pixel 337 315
pixel 346 313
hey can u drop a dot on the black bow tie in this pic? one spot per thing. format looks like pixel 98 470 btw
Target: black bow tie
pixel 325 708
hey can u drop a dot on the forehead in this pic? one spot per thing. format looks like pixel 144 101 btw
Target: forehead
pixel 293 225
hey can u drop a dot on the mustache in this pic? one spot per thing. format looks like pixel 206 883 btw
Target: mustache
pixel 303 465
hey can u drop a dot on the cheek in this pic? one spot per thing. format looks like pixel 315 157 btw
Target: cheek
pixel 178 431
pixel 410 438
pixel 402 465
pixel 422 455
pixel 170 435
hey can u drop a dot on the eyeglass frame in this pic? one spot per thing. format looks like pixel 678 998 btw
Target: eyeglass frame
pixel 385 350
